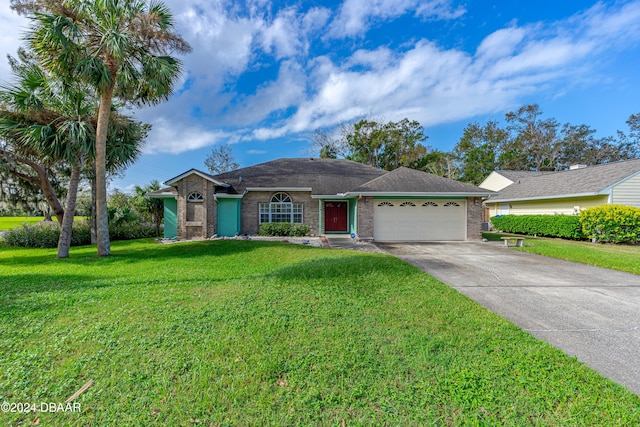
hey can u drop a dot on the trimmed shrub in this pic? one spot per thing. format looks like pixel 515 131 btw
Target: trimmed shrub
pixel 131 231
pixel 45 234
pixel 564 226
pixel 284 229
pixel 611 224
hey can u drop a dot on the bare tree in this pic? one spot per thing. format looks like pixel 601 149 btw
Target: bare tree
pixel 221 159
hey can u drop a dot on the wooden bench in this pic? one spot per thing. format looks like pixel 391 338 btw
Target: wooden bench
pixel 519 241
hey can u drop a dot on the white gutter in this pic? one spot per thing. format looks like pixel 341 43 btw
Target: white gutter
pixel 328 196
pixel 163 196
pixel 403 194
pixel 278 189
pixel 562 196
pixel 228 196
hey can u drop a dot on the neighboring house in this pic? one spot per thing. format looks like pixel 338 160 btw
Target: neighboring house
pixel 565 192
pixel 329 195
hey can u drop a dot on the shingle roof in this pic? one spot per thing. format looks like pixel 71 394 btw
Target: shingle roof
pixel 516 175
pixel 587 181
pixel 405 180
pixel 324 176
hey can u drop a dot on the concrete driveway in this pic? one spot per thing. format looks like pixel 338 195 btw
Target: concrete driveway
pixel 588 312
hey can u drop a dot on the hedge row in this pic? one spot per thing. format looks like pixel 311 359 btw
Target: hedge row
pixel 612 224
pixel 605 224
pixel 45 234
pixel 565 226
pixel 283 229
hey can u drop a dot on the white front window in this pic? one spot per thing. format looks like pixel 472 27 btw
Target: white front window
pixel 281 209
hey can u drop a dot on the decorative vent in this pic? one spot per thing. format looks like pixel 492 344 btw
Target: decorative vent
pixel 385 204
pixel 407 204
pixel 195 196
pixel 429 204
pixel 452 204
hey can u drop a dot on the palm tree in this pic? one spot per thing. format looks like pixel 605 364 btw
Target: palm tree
pixel 46 123
pixel 119 47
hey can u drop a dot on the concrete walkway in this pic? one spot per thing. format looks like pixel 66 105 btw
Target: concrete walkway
pixel 588 312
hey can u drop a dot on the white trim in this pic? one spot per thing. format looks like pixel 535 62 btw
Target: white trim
pixel 563 196
pixel 608 190
pixel 279 189
pixel 328 196
pixel 227 196
pixel 166 195
pixel 200 174
pixel 418 195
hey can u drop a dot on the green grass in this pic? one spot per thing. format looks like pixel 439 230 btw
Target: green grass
pixel 617 257
pixel 11 222
pixel 255 333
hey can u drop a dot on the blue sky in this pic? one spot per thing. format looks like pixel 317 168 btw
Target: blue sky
pixel 264 75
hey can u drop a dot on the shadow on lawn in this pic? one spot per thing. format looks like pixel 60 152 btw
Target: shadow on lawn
pixel 133 251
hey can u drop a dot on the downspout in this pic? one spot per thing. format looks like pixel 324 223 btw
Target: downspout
pixel 355 217
pixel 319 217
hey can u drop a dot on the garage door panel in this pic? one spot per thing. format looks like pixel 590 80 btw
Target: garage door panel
pixel 420 220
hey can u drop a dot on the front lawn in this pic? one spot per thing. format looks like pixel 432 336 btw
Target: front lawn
pixel 257 333
pixel 11 222
pixel 617 257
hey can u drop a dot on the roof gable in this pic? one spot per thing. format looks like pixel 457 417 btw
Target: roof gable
pixel 201 174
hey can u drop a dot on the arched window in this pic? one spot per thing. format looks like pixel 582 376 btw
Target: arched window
pixel 281 209
pixel 449 204
pixel 385 204
pixel 407 204
pixel 195 196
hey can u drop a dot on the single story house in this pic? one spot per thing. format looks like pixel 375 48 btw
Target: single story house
pixel 565 192
pixel 329 195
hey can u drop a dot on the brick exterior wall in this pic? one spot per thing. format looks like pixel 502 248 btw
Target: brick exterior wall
pixel 250 220
pixel 474 218
pixel 212 210
pixel 365 218
pixel 207 209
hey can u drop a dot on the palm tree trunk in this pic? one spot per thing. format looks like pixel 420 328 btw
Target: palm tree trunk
pixel 64 242
pixel 45 185
pixel 102 218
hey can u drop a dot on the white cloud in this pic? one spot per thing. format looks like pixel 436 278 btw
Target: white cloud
pixel 11 34
pixel 434 85
pixel 174 136
pixel 356 16
pixel 440 9
pixel 276 96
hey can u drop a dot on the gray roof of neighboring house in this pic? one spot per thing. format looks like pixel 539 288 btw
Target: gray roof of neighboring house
pixel 405 180
pixel 591 180
pixel 323 176
pixel 516 175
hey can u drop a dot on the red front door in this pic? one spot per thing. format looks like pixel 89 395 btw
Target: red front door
pixel 335 217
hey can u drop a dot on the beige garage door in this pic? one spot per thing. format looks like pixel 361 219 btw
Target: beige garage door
pixel 419 220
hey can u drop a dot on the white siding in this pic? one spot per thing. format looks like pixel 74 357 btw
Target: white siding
pixel 550 207
pixel 627 192
pixel 495 182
